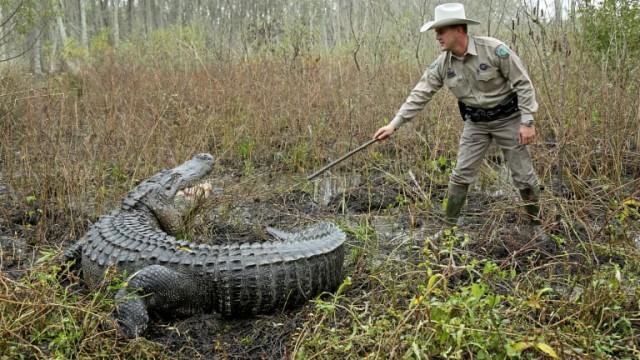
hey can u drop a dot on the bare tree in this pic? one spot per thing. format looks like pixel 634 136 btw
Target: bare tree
pixel 557 5
pixel 62 32
pixel 180 12
pixel 148 22
pixel 21 24
pixel 53 53
pixel 36 62
pixel 2 49
pixel 155 14
pixel 84 36
pixel 130 15
pixel 115 25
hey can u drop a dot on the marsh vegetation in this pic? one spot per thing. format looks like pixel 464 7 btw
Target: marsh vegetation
pixel 274 90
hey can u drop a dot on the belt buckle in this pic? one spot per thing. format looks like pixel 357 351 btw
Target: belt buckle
pixel 482 114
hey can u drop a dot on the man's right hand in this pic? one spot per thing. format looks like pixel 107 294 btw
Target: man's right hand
pixel 384 132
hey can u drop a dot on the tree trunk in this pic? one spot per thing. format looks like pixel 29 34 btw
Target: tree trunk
pixel 180 11
pixel 97 18
pixel 62 31
pixel 84 37
pixel 130 17
pixel 558 9
pixel 36 63
pixel 3 54
pixel 105 14
pixel 53 56
pixel 115 25
pixel 148 26
pixel 155 14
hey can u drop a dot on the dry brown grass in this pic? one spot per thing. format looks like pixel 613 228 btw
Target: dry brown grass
pixel 78 144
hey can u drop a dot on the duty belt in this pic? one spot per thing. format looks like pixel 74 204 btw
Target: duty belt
pixel 506 108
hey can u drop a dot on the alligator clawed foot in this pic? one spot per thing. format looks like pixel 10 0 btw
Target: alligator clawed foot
pixel 153 288
pixel 131 315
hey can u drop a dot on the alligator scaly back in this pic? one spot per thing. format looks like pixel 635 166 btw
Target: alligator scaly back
pixel 186 278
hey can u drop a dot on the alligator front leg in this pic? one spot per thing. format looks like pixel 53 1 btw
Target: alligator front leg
pixel 154 288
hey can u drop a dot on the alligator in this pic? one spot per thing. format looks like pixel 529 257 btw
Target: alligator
pixel 173 276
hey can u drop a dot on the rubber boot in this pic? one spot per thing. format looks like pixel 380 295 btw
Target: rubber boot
pixel 531 198
pixel 456 196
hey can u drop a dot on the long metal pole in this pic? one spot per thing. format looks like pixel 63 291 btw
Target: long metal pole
pixel 336 162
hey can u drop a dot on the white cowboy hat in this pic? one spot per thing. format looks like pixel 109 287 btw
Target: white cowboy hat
pixel 448 14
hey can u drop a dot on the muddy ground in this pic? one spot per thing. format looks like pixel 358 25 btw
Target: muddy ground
pixel 241 206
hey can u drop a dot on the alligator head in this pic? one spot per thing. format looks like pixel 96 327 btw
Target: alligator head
pixel 157 193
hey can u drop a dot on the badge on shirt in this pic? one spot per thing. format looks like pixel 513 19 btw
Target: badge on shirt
pixel 451 73
pixel 502 51
pixel 483 66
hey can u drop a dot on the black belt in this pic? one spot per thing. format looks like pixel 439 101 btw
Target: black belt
pixel 506 108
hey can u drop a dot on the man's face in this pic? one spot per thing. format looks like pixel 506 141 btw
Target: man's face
pixel 448 36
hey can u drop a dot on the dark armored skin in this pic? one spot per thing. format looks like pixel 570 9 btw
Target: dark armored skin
pixel 180 277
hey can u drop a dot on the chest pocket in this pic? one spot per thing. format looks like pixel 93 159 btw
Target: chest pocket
pixel 458 86
pixel 489 80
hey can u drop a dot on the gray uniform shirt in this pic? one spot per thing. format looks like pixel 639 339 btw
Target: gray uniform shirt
pixel 485 76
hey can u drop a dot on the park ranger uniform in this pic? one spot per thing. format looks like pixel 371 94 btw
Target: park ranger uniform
pixel 495 97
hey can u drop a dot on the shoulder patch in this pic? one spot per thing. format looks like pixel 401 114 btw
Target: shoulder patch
pixel 433 64
pixel 502 51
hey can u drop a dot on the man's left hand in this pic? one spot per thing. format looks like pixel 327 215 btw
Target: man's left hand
pixel 526 135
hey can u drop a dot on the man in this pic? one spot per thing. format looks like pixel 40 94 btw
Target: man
pixel 496 101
